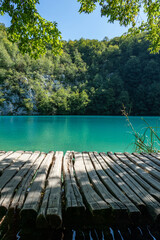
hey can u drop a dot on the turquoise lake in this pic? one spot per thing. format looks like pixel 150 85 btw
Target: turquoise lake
pixel 79 133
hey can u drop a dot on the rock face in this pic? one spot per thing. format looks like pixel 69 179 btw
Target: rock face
pixel 18 100
pixel 22 97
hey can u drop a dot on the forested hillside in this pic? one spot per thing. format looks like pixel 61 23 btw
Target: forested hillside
pixel 90 77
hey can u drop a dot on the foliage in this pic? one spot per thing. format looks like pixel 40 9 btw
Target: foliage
pixel 127 13
pixel 32 32
pixel 90 77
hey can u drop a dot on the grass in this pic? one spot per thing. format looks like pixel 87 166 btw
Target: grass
pixel 146 141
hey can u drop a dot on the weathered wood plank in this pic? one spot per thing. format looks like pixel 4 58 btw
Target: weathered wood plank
pixel 23 188
pixel 113 187
pixel 120 179
pixel 148 161
pixel 153 158
pixel 31 206
pixel 127 175
pixel 145 166
pixel 50 213
pixel 116 205
pixel 8 191
pixel 54 208
pixel 2 153
pixel 13 169
pixel 139 175
pixel 141 171
pixel 6 159
pixel 74 204
pixel 96 205
pixel 156 158
pixel 109 184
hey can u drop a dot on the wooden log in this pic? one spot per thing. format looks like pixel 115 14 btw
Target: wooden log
pixel 122 181
pixel 98 207
pixel 126 174
pixel 54 208
pixel 148 161
pixel 2 153
pixel 11 170
pixel 117 207
pixel 7 159
pixel 32 203
pixel 8 191
pixel 23 187
pixel 113 187
pixel 22 180
pixel 50 213
pixel 156 157
pixel 145 166
pixel 74 205
pixel 153 159
pixel 140 175
pixel 144 172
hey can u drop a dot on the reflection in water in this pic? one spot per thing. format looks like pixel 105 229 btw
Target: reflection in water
pixel 18 236
pixel 120 234
pixel 150 233
pixel 74 235
pixel 112 233
pixel 140 231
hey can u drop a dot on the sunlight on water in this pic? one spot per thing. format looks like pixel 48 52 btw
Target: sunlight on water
pixel 79 133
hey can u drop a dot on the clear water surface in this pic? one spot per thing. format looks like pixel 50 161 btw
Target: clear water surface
pixel 79 133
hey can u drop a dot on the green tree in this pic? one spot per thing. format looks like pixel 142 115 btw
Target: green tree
pixel 29 29
pixel 33 33
pixel 127 13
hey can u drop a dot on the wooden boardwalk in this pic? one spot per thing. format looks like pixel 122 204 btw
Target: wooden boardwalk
pixel 78 189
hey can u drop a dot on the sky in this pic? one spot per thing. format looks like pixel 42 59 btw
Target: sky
pixel 74 25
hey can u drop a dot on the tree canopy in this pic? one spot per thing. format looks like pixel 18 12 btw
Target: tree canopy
pixel 127 13
pixel 33 33
pixel 91 77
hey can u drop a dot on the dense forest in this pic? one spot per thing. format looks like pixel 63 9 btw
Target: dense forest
pixel 90 77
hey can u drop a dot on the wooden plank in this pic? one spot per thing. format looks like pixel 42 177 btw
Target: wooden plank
pixel 156 157
pixel 8 191
pixel 5 160
pixel 127 175
pixel 54 208
pixel 120 182
pixel 24 176
pixel 112 186
pixel 23 188
pixel 13 169
pixel 74 205
pixel 141 171
pixel 96 205
pixel 31 206
pixel 153 158
pixel 2 153
pixel 146 180
pixel 50 213
pixel 108 183
pixel 148 161
pixel 117 206
pixel 145 166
